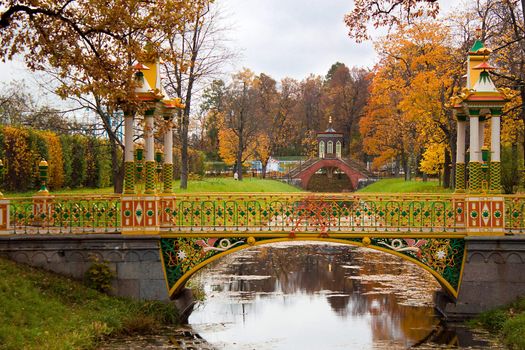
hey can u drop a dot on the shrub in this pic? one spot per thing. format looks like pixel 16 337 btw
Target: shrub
pixel 19 165
pixel 98 276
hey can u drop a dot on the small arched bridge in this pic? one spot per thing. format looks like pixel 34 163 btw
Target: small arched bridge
pixel 431 231
pixel 353 170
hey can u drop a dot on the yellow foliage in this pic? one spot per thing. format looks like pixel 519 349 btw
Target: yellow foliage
pixel 55 161
pixel 263 147
pixel 407 109
pixel 258 148
pixel 433 159
pixel 511 125
pixel 228 145
pixel 18 157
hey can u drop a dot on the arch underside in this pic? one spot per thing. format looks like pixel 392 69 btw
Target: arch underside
pixel 184 255
pixel 352 174
pixel 330 181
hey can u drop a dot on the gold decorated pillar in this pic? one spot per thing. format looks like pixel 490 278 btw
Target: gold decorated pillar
pixel 460 153
pixel 167 175
pixel 149 144
pixel 474 166
pixel 495 150
pixel 129 165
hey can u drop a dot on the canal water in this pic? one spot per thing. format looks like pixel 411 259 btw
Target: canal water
pixel 314 296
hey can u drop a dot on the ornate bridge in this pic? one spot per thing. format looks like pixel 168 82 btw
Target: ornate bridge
pixel 428 230
pixel 444 234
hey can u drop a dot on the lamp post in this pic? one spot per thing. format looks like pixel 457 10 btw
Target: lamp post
pixel 1 176
pixel 43 173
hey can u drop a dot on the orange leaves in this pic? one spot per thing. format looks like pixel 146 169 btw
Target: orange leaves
pixel 90 45
pixel 228 145
pixel 18 157
pixel 407 108
pixel 433 159
pixel 256 148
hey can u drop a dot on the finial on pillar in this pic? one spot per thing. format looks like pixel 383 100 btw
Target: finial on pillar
pixel 479 33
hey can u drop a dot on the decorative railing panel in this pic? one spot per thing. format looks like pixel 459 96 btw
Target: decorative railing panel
pixel 276 213
pixel 313 213
pixel 515 214
pixel 65 214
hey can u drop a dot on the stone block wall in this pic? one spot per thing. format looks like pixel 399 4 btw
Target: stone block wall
pixel 494 275
pixel 135 260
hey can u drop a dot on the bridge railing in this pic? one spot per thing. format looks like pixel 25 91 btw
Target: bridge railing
pixel 292 213
pixel 515 214
pixel 65 214
pixel 319 213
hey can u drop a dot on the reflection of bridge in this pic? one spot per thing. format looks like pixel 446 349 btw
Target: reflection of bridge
pixel 436 232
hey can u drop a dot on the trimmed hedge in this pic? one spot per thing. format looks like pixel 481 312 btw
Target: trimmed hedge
pixel 74 160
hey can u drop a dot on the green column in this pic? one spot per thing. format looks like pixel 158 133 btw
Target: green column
pixel 167 177
pixel 150 151
pixel 129 171
pixel 475 177
pixel 129 177
pixel 495 177
pixel 495 160
pixel 150 177
pixel 460 177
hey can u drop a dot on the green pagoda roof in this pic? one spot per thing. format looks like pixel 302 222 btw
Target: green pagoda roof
pixel 477 45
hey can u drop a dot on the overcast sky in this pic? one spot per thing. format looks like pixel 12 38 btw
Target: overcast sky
pixel 280 38
pixel 293 37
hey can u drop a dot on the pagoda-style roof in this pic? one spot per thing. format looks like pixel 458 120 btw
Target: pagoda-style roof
pixel 481 92
pixel 478 44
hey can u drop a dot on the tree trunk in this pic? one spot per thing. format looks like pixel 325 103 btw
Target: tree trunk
pixel 184 153
pixel 117 167
pixel 184 159
pixel 453 148
pixel 446 170
pixel 239 161
pixel 263 170
pixel 239 165
pixel 406 167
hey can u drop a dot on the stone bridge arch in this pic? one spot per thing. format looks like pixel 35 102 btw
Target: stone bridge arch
pixel 183 256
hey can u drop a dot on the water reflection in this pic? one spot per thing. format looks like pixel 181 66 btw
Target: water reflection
pixel 317 296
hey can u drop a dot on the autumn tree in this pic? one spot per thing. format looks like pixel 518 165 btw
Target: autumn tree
pixel 386 13
pixel 95 42
pixel 198 53
pixel 240 115
pixel 344 98
pixel 309 103
pixel 408 108
pixel 270 117
pixel 19 107
pixel 212 107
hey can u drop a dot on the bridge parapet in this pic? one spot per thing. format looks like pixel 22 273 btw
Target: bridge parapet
pixel 429 230
pixel 290 213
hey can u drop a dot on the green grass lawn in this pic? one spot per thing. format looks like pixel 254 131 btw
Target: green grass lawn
pixel 508 322
pixel 212 184
pixel 40 310
pixel 248 184
pixel 399 185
